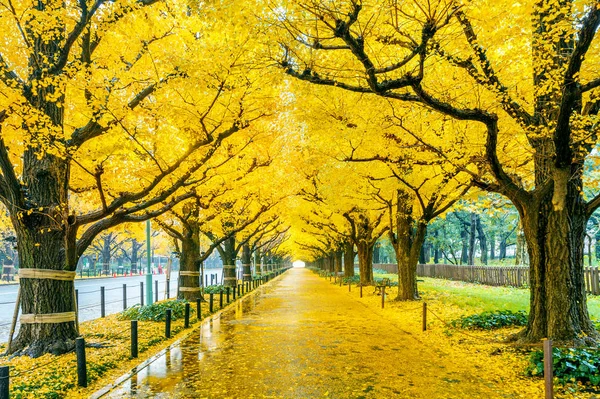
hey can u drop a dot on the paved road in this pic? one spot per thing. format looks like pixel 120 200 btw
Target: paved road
pixel 89 296
pixel 299 337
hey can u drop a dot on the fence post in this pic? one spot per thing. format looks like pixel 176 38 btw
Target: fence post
pixel 141 293
pixel 4 382
pixel 168 323
pixel 424 316
pixel 81 364
pixel 242 288
pixel 102 303
pixel 199 308
pixel 221 299
pixel 233 293
pixel 349 286
pixel 124 296
pixel 187 315
pixel 238 288
pixel 77 299
pixel 134 338
pixel 210 307
pixel 227 294
pixel 155 290
pixel 548 373
pixel 382 297
pixel 206 280
pixel 360 285
pixel 168 288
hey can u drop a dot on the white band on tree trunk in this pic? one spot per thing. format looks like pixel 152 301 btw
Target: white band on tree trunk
pixel 247 275
pixel 189 289
pixel 47 274
pixel 228 266
pixel 50 318
pixel 184 273
pixel 230 278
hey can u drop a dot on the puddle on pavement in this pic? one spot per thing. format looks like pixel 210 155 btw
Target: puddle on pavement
pixel 176 374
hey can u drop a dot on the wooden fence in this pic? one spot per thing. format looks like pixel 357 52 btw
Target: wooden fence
pixel 507 276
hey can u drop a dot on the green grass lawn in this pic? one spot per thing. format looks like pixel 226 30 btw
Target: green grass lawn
pixel 480 298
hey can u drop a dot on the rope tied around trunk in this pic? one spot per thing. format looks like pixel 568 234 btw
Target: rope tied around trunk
pixel 48 274
pixel 46 318
pixel 190 289
pixel 193 274
pixel 229 266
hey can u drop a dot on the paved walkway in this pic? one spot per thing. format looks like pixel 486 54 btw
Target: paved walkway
pixel 301 337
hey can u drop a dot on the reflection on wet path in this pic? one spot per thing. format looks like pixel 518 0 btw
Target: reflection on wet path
pixel 300 337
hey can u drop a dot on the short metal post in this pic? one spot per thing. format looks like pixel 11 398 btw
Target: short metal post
pixel 4 382
pixel 210 305
pixel 382 297
pixel 102 303
pixel 168 323
pixel 124 296
pixel 242 289
pixel 234 293
pixel 81 364
pixel 360 285
pixel 134 339
pixel 227 294
pixel 206 280
pixel 77 299
pixel 155 290
pixel 349 286
pixel 168 288
pixel 141 293
pixel 548 373
pixel 186 322
pixel 238 287
pixel 199 308
pixel 424 316
pixel 221 299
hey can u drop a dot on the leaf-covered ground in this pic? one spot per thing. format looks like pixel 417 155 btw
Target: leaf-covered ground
pixel 305 337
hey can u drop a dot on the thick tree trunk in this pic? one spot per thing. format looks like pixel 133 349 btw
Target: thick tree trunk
pixel 338 261
pixel 502 254
pixel 44 244
pixel 520 248
pixel 228 256
pixel 257 262
pixel 189 285
pixel 348 259
pixel 246 263
pixel 365 262
pixel 555 238
pixel 492 246
pixel 106 254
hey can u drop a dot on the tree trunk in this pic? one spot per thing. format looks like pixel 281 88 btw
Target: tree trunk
pixel 189 285
pixel 482 241
pixel 558 303
pixel 135 246
pixel 246 263
pixel 377 254
pixel 257 263
pixel 106 254
pixel 492 246
pixel 228 255
pixel 520 248
pixel 464 235
pixel 348 259
pixel 472 231
pixel 365 262
pixel 597 248
pixel 45 244
pixel 502 254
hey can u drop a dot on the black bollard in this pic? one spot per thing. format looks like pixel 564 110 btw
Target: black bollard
pixel 81 364
pixel 221 299
pixel 168 289
pixel 242 288
pixel 134 339
pixel 168 323
pixel 4 382
pixel 102 303
pixel 360 285
pixel 124 296
pixel 199 308
pixel 156 291
pixel 234 293
pixel 210 305
pixel 206 280
pixel 141 293
pixel 77 299
pixel 238 288
pixel 186 323
pixel 227 294
pixel 424 316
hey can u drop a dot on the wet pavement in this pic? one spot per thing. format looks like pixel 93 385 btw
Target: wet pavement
pixel 300 337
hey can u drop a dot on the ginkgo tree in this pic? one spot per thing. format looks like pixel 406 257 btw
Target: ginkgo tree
pixel 115 105
pixel 526 77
